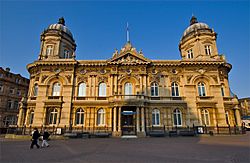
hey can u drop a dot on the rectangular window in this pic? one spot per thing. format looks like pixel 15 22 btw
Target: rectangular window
pixel 49 50
pixel 66 54
pixel 19 92
pixel 222 91
pixel 1 88
pixel 17 80
pixel 207 49
pixel 1 75
pixel 16 105
pixel 9 104
pixel 190 54
pixel 11 90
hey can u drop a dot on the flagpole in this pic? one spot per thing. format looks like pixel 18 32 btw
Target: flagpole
pixel 127 33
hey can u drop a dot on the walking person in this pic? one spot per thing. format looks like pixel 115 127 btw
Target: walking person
pixel 35 137
pixel 45 138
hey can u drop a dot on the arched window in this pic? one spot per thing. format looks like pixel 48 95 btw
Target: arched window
pixel 227 117
pixel 205 117
pixel 35 90
pixel 156 117
pixel 53 117
pixel 177 117
pixel 201 89
pixel 66 54
pixel 79 117
pixel 82 90
pixel 175 89
pixel 56 89
pixel 101 117
pixel 49 50
pixel 31 117
pixel 154 89
pixel 128 90
pixel 102 89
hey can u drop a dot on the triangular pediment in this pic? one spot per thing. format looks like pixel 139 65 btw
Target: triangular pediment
pixel 128 55
pixel 129 58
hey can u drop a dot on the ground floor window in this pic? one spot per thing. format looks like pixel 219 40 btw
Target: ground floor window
pixel 205 117
pixel 31 117
pixel 80 117
pixel 156 117
pixel 101 117
pixel 177 117
pixel 53 117
pixel 10 120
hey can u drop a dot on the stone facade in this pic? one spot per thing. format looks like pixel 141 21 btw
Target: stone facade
pixel 244 106
pixel 129 93
pixel 12 88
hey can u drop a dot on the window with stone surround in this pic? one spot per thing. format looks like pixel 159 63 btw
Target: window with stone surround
pixel 177 115
pixel 102 90
pixel 175 89
pixel 190 54
pixel 201 89
pixel 207 49
pixel 154 89
pixel 101 117
pixel 53 117
pixel 82 90
pixel 80 116
pixel 56 89
pixel 156 117
pixel 205 117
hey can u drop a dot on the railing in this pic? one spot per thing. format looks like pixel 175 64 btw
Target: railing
pixel 204 98
pixel 54 97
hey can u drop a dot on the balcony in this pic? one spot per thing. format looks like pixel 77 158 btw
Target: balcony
pixel 205 101
pixel 230 101
pixel 54 100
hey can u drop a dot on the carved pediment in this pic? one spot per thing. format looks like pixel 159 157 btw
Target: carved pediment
pixel 129 59
pixel 128 55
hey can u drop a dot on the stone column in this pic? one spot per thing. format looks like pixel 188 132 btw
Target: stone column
pixel 26 116
pixel 145 85
pixel 20 117
pixel 115 83
pixel 237 117
pixel 214 118
pixel 114 120
pixel 199 116
pixel 137 119
pixel 111 86
pixel 44 116
pixel 142 120
pixel 119 119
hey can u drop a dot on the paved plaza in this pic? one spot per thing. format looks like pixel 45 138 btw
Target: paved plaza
pixel 168 149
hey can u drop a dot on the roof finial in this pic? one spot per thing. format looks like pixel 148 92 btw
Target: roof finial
pixel 127 29
pixel 61 21
pixel 193 20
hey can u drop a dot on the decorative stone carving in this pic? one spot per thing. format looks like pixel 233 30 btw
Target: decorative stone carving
pixel 44 77
pixel 189 77
pixel 215 78
pixel 37 78
pixel 68 77
pixel 175 78
pixel 102 79
pixel 82 79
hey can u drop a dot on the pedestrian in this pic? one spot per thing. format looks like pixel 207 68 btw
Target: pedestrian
pixel 45 138
pixel 35 137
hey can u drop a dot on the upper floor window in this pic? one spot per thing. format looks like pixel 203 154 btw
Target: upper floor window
pixel 156 117
pixel 16 105
pixel 205 117
pixel 82 89
pixel 207 49
pixel 227 117
pixel 80 117
pixel 1 88
pixel 31 118
pixel 128 89
pixel 190 54
pixel 11 90
pixel 1 75
pixel 53 116
pixel 154 89
pixel 101 117
pixel 19 92
pixel 102 89
pixel 9 104
pixel 177 117
pixel 56 89
pixel 17 80
pixel 201 89
pixel 222 91
pixel 66 54
pixel 175 89
pixel 49 50
pixel 35 91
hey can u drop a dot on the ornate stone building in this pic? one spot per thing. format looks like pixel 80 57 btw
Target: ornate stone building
pixel 244 104
pixel 129 93
pixel 12 88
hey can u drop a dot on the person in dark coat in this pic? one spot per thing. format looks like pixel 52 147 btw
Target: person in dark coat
pixel 45 138
pixel 35 137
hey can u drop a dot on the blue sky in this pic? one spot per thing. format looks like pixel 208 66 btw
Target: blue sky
pixel 100 27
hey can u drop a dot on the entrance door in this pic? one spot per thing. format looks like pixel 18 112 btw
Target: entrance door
pixel 128 122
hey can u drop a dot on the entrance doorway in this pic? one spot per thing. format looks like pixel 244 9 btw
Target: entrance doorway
pixel 128 119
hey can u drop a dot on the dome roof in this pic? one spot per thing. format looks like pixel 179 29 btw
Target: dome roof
pixel 60 26
pixel 195 26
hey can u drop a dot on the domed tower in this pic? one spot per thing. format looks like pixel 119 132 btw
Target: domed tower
pixel 57 42
pixel 198 42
